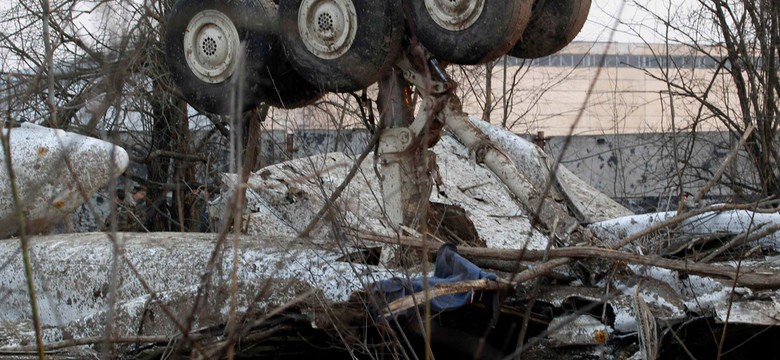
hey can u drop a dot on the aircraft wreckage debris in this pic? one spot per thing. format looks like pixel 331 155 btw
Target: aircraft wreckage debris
pixel 592 294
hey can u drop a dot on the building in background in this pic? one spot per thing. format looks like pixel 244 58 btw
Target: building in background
pixel 629 94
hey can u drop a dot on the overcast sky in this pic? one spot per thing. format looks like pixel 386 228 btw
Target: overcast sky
pixel 635 23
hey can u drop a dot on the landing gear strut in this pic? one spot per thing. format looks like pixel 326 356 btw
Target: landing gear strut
pixel 309 47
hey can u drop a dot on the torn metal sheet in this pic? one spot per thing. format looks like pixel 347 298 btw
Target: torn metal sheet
pixel 758 311
pixel 294 191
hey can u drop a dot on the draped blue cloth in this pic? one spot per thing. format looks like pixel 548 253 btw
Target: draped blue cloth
pixel 450 268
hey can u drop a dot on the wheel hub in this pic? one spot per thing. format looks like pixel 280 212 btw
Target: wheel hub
pixel 210 45
pixel 455 15
pixel 327 27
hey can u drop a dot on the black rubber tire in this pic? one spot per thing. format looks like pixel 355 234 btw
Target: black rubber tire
pixel 282 86
pixel 497 29
pixel 376 46
pixel 554 24
pixel 253 31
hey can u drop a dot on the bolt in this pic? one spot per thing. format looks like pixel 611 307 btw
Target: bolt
pixel 404 137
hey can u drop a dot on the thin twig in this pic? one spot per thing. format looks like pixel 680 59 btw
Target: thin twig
pixel 534 292
pixel 246 170
pixel 337 193
pixel 407 302
pixel 25 240
pixel 743 238
pixel 757 278
pixel 722 169
pixel 233 338
pixel 95 340
pixel 552 177
pixel 682 217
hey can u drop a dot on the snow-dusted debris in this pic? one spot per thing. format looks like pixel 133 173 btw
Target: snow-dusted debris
pixel 729 222
pixel 56 171
pixel 286 196
pixel 759 311
pixel 73 271
pixel 73 278
pixel 670 296
pixel 530 159
pixel 498 217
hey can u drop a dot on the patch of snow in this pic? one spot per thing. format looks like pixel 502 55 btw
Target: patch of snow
pixel 706 294
pixel 625 321
pixel 667 276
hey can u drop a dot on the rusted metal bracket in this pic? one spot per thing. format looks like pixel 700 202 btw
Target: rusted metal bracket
pixel 437 83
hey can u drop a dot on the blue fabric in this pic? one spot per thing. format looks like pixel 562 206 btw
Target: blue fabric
pixel 450 268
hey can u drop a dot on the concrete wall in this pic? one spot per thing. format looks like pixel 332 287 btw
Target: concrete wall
pixel 645 171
